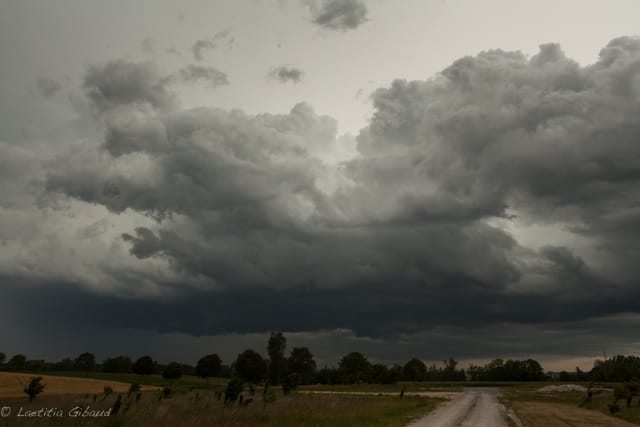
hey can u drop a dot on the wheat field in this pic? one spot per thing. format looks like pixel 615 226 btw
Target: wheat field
pixel 12 385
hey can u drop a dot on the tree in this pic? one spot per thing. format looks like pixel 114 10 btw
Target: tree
pixel 476 373
pixel 301 362
pixel 208 366
pixel 86 362
pixel 381 374
pixel 531 370
pixel 17 362
pixel 354 368
pixel 616 368
pixel 2 357
pixel 173 371
pixel 65 364
pixel 511 370
pixel 329 376
pixel 188 369
pixel 144 366
pixel 450 373
pixel 277 360
pixel 396 373
pixel 34 388
pixel 120 364
pixel 414 370
pixel 495 370
pixel 34 365
pixel 250 366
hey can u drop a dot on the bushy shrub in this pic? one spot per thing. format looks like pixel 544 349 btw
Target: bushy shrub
pixel 620 391
pixel 107 391
pixel 166 392
pixel 133 388
pixel 34 388
pixel 289 383
pixel 233 390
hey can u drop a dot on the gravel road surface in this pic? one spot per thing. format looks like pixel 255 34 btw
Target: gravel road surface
pixel 477 407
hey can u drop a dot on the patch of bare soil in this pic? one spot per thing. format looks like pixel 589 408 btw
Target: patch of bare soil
pixel 12 385
pixel 541 414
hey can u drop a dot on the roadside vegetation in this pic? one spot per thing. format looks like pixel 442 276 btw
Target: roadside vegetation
pixel 252 407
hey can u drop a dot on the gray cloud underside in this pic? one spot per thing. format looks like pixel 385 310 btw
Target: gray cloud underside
pixel 210 75
pixel 370 311
pixel 48 87
pixel 403 236
pixel 219 39
pixel 341 15
pixel 286 74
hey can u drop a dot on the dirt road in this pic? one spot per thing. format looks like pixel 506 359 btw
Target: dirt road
pixel 477 407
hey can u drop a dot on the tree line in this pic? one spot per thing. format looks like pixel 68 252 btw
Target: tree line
pixel 616 369
pixel 510 370
pixel 298 367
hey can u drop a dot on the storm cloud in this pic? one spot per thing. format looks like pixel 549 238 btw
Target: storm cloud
pixel 48 87
pixel 341 15
pixel 210 75
pixel 203 212
pixel 127 83
pixel 245 201
pixel 286 74
pixel 220 39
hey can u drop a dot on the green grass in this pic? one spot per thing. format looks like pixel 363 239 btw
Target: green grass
pixel 409 386
pixel 185 384
pixel 372 388
pixel 188 383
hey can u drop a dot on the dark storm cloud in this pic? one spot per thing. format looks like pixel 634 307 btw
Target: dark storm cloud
pixel 210 75
pixel 339 15
pixel 219 39
pixel 48 87
pixel 284 258
pixel 543 136
pixel 123 82
pixel 404 236
pixel 411 322
pixel 286 74
pixel 255 173
pixel 366 310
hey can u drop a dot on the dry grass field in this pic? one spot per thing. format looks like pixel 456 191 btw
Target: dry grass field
pixel 545 414
pixel 12 385
pixel 203 409
pixel 559 409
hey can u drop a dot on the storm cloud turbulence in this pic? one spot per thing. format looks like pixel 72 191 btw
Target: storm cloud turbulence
pixel 494 198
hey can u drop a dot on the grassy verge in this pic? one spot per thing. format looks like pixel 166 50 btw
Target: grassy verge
pixel 410 386
pixel 375 388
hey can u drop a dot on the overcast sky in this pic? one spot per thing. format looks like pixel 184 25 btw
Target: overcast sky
pixel 425 178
